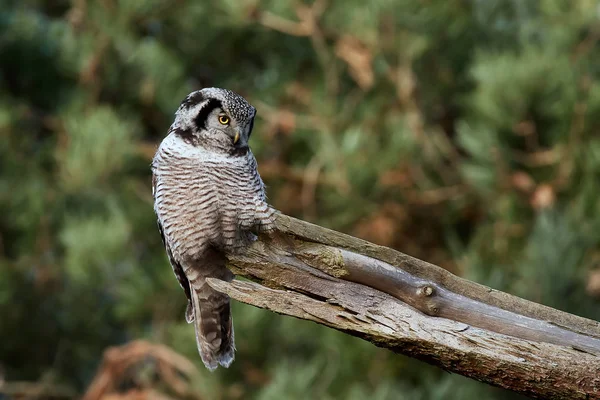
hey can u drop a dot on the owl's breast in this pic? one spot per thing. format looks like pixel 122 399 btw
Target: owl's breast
pixel 204 203
pixel 186 204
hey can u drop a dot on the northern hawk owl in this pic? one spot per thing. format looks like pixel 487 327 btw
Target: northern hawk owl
pixel 208 197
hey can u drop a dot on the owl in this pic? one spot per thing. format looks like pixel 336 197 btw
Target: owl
pixel 209 199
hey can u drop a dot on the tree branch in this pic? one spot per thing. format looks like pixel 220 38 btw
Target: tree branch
pixel 418 309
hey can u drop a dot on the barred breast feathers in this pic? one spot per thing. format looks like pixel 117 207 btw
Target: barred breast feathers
pixel 204 197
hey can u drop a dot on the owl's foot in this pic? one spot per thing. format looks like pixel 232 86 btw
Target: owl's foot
pixel 266 224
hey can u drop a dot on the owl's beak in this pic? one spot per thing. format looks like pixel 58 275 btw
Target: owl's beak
pixel 236 138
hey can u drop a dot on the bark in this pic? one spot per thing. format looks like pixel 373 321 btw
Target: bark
pixel 418 309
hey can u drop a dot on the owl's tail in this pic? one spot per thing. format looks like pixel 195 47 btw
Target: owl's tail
pixel 211 314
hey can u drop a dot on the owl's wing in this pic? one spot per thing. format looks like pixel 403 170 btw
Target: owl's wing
pixel 177 268
pixel 254 167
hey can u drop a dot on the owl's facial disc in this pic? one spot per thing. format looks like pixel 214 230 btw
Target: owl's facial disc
pixel 225 120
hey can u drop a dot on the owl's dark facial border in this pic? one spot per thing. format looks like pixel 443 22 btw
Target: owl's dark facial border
pixel 185 133
pixel 205 111
pixel 251 126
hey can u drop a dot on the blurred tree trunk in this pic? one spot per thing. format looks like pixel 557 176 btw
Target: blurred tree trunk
pixel 418 309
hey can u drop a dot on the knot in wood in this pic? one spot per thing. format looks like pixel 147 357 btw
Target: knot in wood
pixel 425 291
pixel 433 309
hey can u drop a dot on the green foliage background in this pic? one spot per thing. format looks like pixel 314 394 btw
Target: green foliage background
pixel 462 132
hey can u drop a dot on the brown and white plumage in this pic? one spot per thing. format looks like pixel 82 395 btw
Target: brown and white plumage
pixel 208 196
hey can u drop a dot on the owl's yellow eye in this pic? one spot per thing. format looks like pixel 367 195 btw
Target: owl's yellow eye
pixel 224 119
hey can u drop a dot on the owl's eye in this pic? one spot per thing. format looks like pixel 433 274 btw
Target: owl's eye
pixel 224 119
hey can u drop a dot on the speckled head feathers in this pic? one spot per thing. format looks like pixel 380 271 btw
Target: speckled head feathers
pixel 234 104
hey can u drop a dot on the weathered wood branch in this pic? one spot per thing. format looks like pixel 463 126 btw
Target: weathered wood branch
pixel 418 309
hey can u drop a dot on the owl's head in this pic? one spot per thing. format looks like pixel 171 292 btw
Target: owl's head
pixel 216 119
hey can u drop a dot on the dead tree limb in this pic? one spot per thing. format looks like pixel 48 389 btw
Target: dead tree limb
pixel 418 309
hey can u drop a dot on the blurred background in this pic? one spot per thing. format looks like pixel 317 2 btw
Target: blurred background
pixel 465 133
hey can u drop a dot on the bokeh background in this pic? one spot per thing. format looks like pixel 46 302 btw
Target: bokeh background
pixel 465 133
